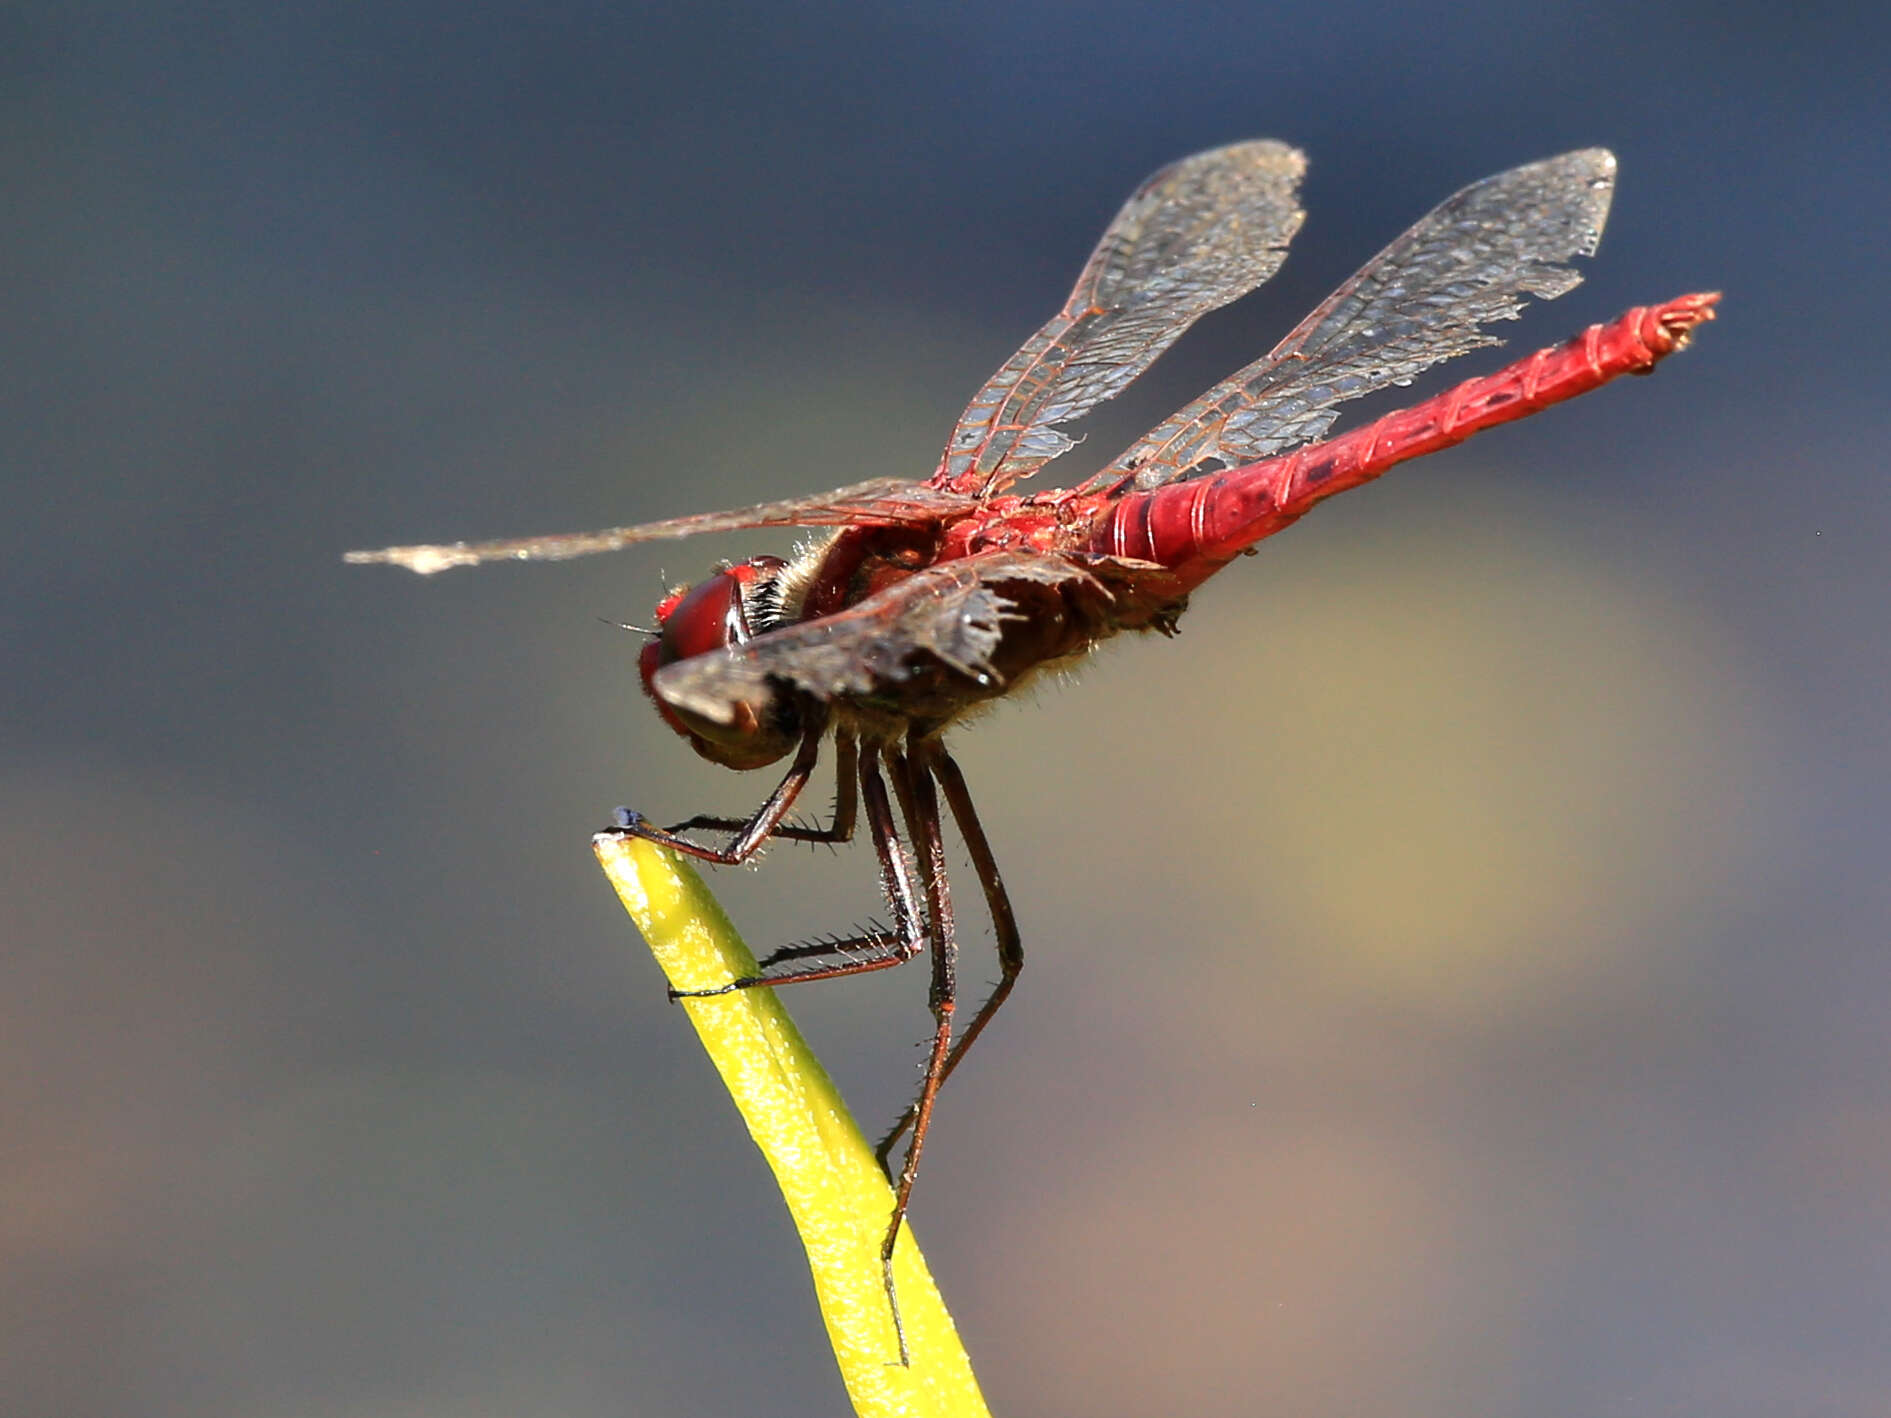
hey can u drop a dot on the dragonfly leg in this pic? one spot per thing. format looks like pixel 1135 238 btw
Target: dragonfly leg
pixel 912 780
pixel 881 952
pixel 839 830
pixel 1003 919
pixel 766 821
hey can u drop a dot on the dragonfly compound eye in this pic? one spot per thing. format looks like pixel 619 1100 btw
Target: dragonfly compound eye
pixel 718 614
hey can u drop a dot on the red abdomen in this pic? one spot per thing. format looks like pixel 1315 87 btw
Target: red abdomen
pixel 1196 526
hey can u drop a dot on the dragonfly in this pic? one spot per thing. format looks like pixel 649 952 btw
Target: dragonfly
pixel 928 599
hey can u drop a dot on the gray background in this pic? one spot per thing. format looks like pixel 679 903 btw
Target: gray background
pixel 1458 967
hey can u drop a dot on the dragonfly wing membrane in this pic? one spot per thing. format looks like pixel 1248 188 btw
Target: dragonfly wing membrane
pixel 1474 259
pixel 882 502
pixel 947 618
pixel 1200 233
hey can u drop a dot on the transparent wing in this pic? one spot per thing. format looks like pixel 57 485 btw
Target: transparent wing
pixel 883 502
pixel 1474 259
pixel 949 617
pixel 1198 234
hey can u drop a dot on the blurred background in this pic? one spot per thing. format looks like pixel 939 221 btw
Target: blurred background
pixel 1458 968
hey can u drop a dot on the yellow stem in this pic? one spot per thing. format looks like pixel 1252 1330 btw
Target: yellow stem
pixel 836 1193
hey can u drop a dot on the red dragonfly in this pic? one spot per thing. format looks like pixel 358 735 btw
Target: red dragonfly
pixel 931 598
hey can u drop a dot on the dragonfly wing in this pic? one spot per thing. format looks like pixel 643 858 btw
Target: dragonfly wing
pixel 883 502
pixel 945 622
pixel 1198 234
pixel 1474 259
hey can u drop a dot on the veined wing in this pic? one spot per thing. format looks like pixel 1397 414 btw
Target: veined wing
pixel 882 502
pixel 1474 259
pixel 947 617
pixel 1198 234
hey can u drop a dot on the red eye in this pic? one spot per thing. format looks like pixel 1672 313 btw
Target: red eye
pixel 707 617
pixel 704 618
pixel 712 615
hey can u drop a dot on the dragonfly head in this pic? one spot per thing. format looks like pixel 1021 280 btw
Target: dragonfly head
pixel 722 611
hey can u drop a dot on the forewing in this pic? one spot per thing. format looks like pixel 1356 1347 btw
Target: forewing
pixel 883 502
pixel 1474 259
pixel 950 615
pixel 1198 234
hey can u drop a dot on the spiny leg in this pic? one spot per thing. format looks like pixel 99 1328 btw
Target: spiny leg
pixel 841 829
pixel 750 835
pixel 1004 923
pixel 920 807
pixel 913 782
pixel 896 880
